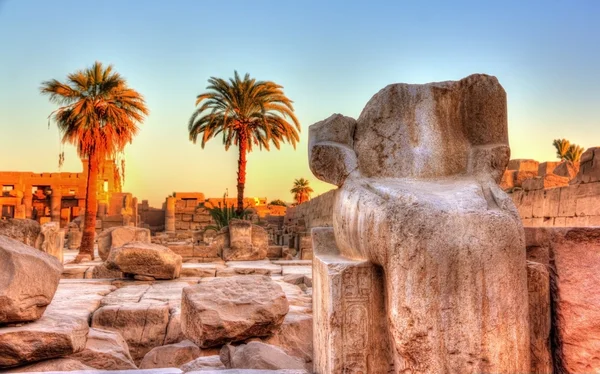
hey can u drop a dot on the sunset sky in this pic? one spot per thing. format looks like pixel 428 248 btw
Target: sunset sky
pixel 330 57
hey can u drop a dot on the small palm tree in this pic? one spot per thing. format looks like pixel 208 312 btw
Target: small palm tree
pixel 98 114
pixel 301 190
pixel 574 153
pixel 562 148
pixel 246 113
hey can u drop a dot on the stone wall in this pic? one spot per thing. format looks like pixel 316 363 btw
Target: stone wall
pixel 317 212
pixel 575 205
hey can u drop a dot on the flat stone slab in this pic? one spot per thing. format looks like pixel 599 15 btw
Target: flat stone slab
pixel 249 371
pixel 200 269
pixel 61 331
pixel 293 269
pixel 293 262
pixel 262 267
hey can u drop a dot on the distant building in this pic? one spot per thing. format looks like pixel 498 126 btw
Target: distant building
pixel 60 197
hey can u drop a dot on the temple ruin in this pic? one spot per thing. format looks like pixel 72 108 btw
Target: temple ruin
pixel 434 254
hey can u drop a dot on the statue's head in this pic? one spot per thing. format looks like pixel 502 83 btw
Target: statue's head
pixel 417 131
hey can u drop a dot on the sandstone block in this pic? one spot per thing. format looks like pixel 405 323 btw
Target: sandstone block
pixel 567 169
pixel 589 167
pixel 206 362
pixel 295 336
pixel 28 281
pixel 118 236
pixel 258 355
pixel 146 259
pixel 538 280
pixel 57 365
pixel 105 350
pixel 24 230
pixel 171 355
pixel 51 240
pixel 349 325
pixel 232 309
pixel 524 165
pixel 142 325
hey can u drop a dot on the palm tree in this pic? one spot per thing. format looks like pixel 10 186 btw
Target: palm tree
pixel 574 153
pixel 98 114
pixel 247 113
pixel 301 190
pixel 562 148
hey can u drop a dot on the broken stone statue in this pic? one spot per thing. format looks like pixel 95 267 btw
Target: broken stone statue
pixel 420 226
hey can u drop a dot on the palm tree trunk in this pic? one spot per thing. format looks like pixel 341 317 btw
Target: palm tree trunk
pixel 241 181
pixel 91 209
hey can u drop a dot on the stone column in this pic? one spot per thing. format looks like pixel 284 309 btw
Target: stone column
pixel 170 214
pixel 349 318
pixel 55 204
pixel 134 212
pixel 28 201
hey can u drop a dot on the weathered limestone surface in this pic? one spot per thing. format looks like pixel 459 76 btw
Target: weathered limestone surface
pixel 250 371
pixel 61 331
pixel 232 309
pixel 105 350
pixel 575 205
pixel 51 240
pixel 146 259
pixel 147 316
pixel 538 280
pixel 295 336
pixel 567 169
pixel 242 241
pixel 24 230
pixel 115 237
pixel 61 365
pixel 350 332
pixel 207 362
pixel 170 355
pixel 589 168
pixel 575 255
pixel 257 355
pixel 28 281
pixel 523 165
pixel 423 204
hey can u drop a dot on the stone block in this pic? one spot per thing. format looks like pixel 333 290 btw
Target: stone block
pixel 547 167
pixel 568 196
pixel 274 252
pixel 588 200
pixel 523 165
pixel 551 202
pixel 575 254
pixel 538 280
pixel 589 167
pixel 349 324
pixel 186 217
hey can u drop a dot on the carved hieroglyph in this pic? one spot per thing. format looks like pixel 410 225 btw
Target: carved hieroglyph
pixel 418 196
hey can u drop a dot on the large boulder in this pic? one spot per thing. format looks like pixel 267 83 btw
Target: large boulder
pixel 145 259
pixel 57 365
pixel 170 355
pixel 143 325
pixel 51 240
pixel 24 230
pixel 258 355
pixel 28 281
pixel 201 363
pixel 116 237
pixel 232 309
pixel 105 350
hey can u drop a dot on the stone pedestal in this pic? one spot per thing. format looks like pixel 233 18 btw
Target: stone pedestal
pixel 350 332
pixel 170 215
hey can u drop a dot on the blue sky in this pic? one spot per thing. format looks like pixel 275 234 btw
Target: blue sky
pixel 331 57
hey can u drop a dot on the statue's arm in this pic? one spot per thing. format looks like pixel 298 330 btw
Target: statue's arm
pixel 330 149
